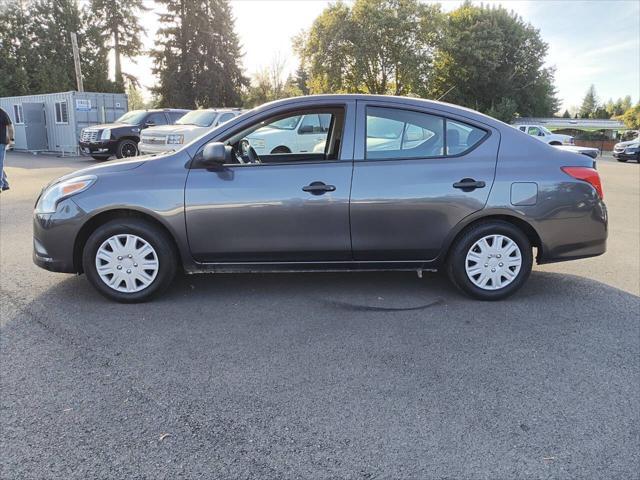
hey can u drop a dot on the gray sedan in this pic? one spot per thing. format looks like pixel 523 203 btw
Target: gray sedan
pixel 396 184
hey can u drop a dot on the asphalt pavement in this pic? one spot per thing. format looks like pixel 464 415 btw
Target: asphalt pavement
pixel 354 375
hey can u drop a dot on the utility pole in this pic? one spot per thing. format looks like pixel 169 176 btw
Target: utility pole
pixel 76 61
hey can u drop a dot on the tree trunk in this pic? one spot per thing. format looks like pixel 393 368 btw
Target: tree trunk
pixel 116 51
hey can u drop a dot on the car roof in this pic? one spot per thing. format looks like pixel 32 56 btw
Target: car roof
pixel 323 99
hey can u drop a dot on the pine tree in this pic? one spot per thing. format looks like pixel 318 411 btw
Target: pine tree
pixel 197 59
pixel 301 80
pixel 14 39
pixel 589 103
pixel 120 20
pixel 566 114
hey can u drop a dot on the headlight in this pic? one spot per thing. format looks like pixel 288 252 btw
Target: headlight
pixel 106 134
pixel 51 196
pixel 256 142
pixel 175 139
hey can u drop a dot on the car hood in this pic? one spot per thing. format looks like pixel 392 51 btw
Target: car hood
pixel 105 168
pixel 168 129
pixel 111 126
pixel 270 132
pixel 628 142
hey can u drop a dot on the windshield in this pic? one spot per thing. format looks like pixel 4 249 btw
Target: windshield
pixel 199 118
pixel 134 117
pixel 288 123
pixel 545 130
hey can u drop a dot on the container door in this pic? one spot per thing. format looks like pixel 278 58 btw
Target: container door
pixel 35 126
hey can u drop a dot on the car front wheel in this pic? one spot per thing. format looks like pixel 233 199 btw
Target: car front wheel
pixel 490 260
pixel 129 260
pixel 127 148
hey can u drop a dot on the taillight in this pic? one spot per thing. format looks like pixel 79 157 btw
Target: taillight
pixel 586 174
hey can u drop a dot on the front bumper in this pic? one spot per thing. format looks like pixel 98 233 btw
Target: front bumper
pixel 626 156
pixel 54 236
pixel 146 148
pixel 106 147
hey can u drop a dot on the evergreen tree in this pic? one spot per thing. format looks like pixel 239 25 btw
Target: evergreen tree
pixel 566 114
pixel 14 46
pixel 197 62
pixel 589 103
pixel 120 21
pixel 301 80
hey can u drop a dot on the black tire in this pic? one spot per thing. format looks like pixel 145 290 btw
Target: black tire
pixel 280 149
pixel 127 148
pixel 555 144
pixel 100 158
pixel 623 160
pixel 458 254
pixel 156 237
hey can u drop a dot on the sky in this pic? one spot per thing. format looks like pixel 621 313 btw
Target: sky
pixel 590 42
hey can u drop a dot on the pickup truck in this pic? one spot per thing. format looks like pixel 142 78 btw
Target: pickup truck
pixel 544 135
pixel 296 134
pixel 172 137
pixel 121 137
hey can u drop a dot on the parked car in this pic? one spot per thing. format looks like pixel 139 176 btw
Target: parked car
pixel 171 137
pixel 630 150
pixel 544 135
pixel 121 137
pixel 588 151
pixel 296 134
pixel 475 204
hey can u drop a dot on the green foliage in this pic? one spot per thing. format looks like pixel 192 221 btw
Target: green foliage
pixel 489 54
pixel 566 114
pixel 631 117
pixel 504 110
pixel 197 62
pixel 119 20
pixel 39 58
pixel 374 46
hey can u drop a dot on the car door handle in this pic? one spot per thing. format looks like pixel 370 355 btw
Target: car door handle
pixel 469 184
pixel 318 188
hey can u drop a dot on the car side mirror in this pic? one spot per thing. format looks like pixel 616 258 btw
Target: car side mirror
pixel 306 129
pixel 214 153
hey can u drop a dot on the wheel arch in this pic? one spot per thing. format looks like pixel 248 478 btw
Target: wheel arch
pixel 280 147
pixel 106 216
pixel 518 222
pixel 555 142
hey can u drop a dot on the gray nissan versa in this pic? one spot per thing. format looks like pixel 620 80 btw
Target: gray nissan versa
pixel 388 183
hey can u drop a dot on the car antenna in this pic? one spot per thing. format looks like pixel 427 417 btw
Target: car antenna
pixel 444 94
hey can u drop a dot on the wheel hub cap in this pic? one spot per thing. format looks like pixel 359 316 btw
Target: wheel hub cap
pixel 493 262
pixel 127 263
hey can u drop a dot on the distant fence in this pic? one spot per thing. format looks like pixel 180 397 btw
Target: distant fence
pixel 603 145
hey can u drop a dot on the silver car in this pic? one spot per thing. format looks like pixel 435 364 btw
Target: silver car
pixel 399 184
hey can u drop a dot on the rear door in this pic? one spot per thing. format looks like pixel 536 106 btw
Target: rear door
pixel 417 174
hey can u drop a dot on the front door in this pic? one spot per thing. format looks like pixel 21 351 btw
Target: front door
pixel 416 176
pixel 286 207
pixel 35 126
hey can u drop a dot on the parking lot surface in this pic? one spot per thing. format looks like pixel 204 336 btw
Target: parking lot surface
pixel 363 375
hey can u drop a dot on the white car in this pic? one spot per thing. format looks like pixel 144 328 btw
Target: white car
pixel 543 134
pixel 296 134
pixel 172 137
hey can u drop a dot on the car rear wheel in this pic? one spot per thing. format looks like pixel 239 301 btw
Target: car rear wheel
pixel 623 160
pixel 490 260
pixel 129 260
pixel 127 148
pixel 100 158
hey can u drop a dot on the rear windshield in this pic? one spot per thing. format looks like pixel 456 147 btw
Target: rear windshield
pixel 198 118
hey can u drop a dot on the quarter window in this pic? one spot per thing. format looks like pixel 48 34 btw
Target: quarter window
pixel 62 113
pixel 17 113
pixel 462 137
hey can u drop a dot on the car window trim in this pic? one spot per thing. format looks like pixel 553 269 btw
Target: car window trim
pixel 444 118
pixel 283 114
pixel 361 117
